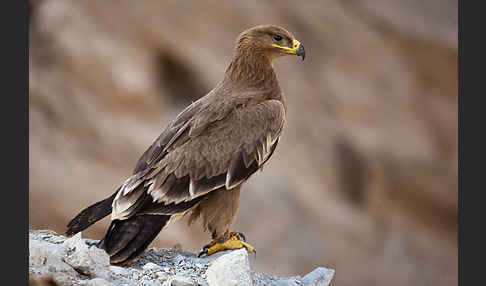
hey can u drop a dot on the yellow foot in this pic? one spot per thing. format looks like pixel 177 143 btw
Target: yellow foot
pixel 236 241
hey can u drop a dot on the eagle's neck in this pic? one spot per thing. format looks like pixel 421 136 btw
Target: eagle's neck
pixel 252 70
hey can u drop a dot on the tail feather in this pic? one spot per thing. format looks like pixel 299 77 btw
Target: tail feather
pixel 121 232
pixel 90 215
pixel 126 239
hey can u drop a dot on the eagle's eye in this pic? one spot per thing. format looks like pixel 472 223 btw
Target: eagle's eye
pixel 277 37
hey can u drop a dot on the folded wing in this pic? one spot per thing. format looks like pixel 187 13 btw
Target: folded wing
pixel 202 150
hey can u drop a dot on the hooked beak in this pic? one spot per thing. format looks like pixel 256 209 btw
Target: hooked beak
pixel 300 51
pixel 297 49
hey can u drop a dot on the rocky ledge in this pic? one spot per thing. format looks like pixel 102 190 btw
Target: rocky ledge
pixel 77 261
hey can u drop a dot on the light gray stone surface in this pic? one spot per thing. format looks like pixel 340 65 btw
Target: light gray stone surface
pixel 318 277
pixel 77 261
pixel 97 282
pixel 88 260
pixel 232 269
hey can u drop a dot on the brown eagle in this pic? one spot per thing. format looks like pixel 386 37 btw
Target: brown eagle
pixel 200 161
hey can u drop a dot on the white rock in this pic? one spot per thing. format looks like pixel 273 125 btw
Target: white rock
pixel 230 269
pixel 90 261
pixel 74 241
pixel 287 282
pixel 182 281
pixel 179 259
pixel 151 283
pixel 38 249
pixel 47 257
pixel 320 276
pixel 135 275
pixel 97 282
pixel 151 267
pixel 120 271
pixel 161 276
pixel 201 281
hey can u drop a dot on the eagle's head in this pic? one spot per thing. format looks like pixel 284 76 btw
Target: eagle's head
pixel 270 40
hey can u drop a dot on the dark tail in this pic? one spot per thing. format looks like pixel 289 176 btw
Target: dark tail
pixel 126 239
pixel 90 215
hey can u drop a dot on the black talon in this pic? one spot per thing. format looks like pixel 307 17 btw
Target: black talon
pixel 246 247
pixel 240 236
pixel 203 251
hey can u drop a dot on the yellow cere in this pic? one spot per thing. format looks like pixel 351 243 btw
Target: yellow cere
pixel 293 50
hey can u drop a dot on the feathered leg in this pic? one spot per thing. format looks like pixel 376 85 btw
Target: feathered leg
pixel 218 212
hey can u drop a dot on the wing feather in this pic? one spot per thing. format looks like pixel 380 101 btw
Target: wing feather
pixel 201 151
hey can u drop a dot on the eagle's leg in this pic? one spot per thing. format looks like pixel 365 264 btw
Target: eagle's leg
pixel 218 211
pixel 236 240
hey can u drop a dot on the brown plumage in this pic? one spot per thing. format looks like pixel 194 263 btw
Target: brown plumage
pixel 46 280
pixel 199 162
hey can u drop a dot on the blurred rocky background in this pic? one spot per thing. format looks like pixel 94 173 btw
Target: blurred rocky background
pixel 364 180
